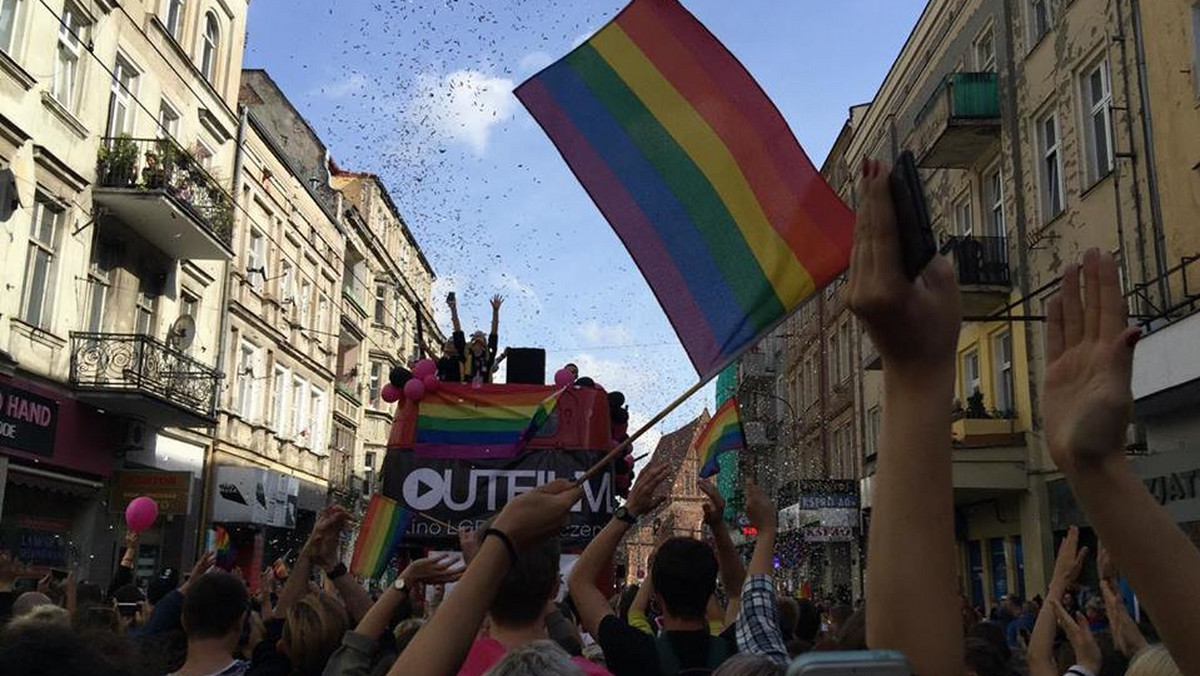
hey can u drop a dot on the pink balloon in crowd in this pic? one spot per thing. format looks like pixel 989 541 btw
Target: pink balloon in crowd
pixel 563 377
pixel 414 389
pixel 141 513
pixel 432 384
pixel 424 368
pixel 390 393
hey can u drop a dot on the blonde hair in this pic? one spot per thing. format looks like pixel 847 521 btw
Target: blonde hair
pixel 313 630
pixel 45 615
pixel 1153 661
pixel 539 658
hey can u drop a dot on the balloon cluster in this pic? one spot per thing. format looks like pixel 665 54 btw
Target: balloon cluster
pixel 413 385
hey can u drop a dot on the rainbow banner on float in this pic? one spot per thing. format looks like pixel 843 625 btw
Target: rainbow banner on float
pixel 468 423
pixel 722 435
pixel 697 172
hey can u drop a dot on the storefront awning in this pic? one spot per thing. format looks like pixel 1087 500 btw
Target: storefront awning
pixel 42 479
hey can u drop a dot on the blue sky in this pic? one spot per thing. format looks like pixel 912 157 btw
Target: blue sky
pixel 419 92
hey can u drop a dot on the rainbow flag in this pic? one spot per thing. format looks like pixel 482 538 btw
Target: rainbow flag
pixel 222 547
pixel 540 416
pixel 381 532
pixel 491 421
pixel 722 434
pixel 698 174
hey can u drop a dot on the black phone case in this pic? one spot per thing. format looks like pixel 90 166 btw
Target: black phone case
pixel 917 245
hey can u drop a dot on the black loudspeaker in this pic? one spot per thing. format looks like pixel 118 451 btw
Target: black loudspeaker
pixel 526 365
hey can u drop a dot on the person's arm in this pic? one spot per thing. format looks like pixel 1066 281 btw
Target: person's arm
pixel 641 603
pixel 452 302
pixel 758 620
pixel 1040 654
pixel 123 575
pixel 1087 401
pixel 1083 643
pixel 914 325
pixel 167 613
pixel 440 646
pixel 733 572
pixel 1125 633
pixel 501 358
pixel 314 552
pixel 589 600
pixel 497 301
pixel 10 570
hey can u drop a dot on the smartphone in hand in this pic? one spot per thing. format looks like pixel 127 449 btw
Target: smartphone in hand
pixel 917 245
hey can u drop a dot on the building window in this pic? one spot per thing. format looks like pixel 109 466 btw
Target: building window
pixel 10 14
pixel 872 440
pixel 299 408
pixel 970 374
pixel 963 226
pixel 71 37
pixel 287 282
pixel 975 571
pixel 323 314
pixel 1003 367
pixel 37 298
pixel 256 260
pixel 1097 98
pixel 209 45
pixel 168 121
pixel 1051 167
pixel 304 304
pixel 373 384
pixel 844 344
pixel 993 187
pixel 175 18
pixel 1039 20
pixel 120 98
pixel 315 404
pixel 279 399
pixel 999 565
pixel 99 280
pixel 204 154
pixel 832 363
pixel 247 360
pixel 380 303
pixel 147 298
pixel 1019 564
pixel 985 52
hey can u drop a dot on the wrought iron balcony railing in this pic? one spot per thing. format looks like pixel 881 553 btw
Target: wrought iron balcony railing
pixel 137 363
pixel 982 260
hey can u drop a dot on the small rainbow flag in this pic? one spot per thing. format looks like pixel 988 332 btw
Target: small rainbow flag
pixel 222 547
pixel 698 174
pixel 722 434
pixel 382 530
pixel 490 421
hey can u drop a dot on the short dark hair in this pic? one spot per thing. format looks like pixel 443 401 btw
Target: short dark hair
pixel 684 574
pixel 528 585
pixel 808 624
pixel 213 605
pixel 789 615
pixel 129 593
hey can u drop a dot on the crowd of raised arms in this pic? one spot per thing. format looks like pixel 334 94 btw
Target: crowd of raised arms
pixel 508 612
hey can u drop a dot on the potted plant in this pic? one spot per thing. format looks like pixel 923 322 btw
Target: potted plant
pixel 116 164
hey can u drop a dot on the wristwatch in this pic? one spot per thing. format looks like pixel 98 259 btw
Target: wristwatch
pixel 401 585
pixel 336 572
pixel 623 514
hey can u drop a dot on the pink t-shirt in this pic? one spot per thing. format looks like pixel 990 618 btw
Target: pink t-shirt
pixel 487 651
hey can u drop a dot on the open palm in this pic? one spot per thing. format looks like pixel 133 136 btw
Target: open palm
pixel 1086 397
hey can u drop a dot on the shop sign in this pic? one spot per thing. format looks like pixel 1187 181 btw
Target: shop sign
pixel 827 534
pixel 170 490
pixel 255 495
pixel 828 494
pixel 1174 480
pixel 27 421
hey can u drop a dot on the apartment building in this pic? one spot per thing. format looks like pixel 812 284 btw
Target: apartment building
pixel 116 142
pixel 1029 121
pixel 387 320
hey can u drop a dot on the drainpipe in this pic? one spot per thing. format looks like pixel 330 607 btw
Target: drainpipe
pixel 1156 220
pixel 223 335
pixel 1135 189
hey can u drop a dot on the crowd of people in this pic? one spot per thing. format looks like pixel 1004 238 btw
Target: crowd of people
pixel 702 609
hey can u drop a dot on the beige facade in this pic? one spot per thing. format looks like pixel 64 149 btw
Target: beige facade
pixel 121 156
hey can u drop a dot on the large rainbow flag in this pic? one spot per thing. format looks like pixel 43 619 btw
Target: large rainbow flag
pixel 722 435
pixel 698 174
pixel 382 530
pixel 463 422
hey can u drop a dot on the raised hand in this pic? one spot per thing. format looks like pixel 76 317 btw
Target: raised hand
pixel 438 568
pixel 497 301
pixel 1069 562
pixel 644 497
pixel 1086 399
pixel 914 325
pixel 759 508
pixel 538 514
pixel 1087 651
pixel 714 503
pixel 202 566
pixel 1126 635
pixel 321 547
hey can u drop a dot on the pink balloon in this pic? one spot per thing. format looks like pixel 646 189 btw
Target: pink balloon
pixel 390 393
pixel 141 513
pixel 563 377
pixel 414 389
pixel 432 384
pixel 424 368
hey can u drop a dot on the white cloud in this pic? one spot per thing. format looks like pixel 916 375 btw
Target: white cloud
pixel 594 334
pixel 535 61
pixel 462 106
pixel 356 83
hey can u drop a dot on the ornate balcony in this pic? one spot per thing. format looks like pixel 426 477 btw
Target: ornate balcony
pixel 163 193
pixel 141 377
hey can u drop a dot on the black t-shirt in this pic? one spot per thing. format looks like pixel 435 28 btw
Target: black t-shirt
pixel 633 652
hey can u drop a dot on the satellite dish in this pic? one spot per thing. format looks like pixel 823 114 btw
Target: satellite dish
pixel 183 332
